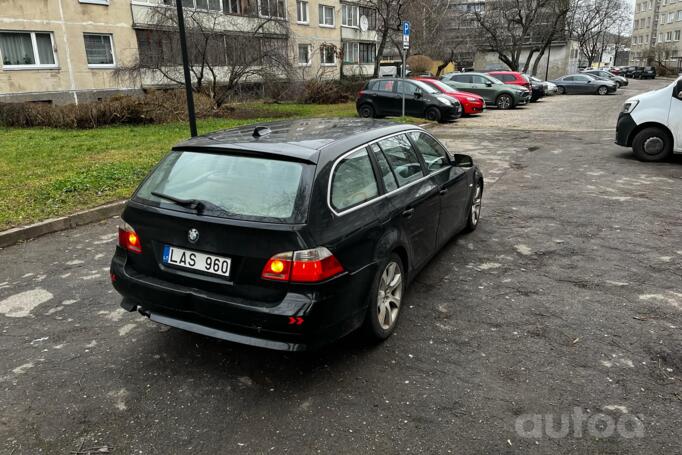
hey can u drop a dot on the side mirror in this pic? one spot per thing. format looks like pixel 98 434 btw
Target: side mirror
pixel 463 160
pixel 677 92
pixel 488 84
pixel 418 94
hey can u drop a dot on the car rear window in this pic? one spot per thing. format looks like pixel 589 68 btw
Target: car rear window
pixel 233 186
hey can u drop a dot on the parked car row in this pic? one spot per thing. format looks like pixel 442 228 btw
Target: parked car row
pixel 635 72
pixel 469 93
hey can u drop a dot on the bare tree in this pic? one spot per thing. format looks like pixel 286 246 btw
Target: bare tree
pixel 224 50
pixel 507 27
pixel 390 14
pixel 593 23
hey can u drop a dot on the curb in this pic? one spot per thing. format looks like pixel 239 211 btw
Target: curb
pixel 23 233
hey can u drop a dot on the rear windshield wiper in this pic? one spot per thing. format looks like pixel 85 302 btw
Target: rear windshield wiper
pixel 194 204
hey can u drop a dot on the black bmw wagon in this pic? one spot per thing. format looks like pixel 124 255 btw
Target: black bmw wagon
pixel 290 235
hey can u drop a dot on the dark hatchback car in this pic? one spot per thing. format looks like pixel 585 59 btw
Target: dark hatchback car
pixel 384 97
pixel 293 234
pixel 648 72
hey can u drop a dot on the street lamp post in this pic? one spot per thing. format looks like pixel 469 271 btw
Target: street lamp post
pixel 185 67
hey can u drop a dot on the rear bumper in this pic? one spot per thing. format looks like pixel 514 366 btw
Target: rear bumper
pixel 626 125
pixel 299 321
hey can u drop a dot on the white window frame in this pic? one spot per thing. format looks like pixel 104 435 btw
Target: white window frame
pixel 310 55
pixel 36 55
pixel 356 45
pixel 286 12
pixel 678 34
pixel 113 52
pixel 95 2
pixel 306 7
pixel 322 62
pixel 344 7
pixel 322 17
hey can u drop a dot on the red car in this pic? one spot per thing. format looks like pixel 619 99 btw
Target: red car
pixel 471 103
pixel 511 78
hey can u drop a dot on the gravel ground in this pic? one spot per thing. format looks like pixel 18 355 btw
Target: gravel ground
pixel 565 304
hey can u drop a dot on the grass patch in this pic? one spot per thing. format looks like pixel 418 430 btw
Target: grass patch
pixel 47 172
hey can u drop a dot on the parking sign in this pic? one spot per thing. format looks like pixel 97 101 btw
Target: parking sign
pixel 406 35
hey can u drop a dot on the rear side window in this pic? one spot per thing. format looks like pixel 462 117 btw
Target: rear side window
pixel 433 153
pixel 353 181
pixel 384 86
pixel 230 186
pixel 402 158
pixel 466 79
pixel 387 176
pixel 504 77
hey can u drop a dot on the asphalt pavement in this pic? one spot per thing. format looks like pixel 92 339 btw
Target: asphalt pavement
pixel 563 311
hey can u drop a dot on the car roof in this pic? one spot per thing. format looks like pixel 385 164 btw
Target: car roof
pixel 301 140
pixel 503 72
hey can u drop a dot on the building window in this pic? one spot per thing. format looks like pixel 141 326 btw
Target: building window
pixel 95 2
pixel 349 15
pixel 326 16
pixel 232 6
pixel 679 15
pixel 368 52
pixel 371 15
pixel 273 8
pixel 350 52
pixel 28 49
pixel 302 11
pixel 99 50
pixel 205 5
pixel 304 54
pixel 328 55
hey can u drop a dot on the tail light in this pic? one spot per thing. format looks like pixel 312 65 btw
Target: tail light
pixel 307 266
pixel 361 93
pixel 128 239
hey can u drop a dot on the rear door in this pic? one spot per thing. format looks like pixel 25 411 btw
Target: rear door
pixel 416 203
pixel 387 98
pixel 453 187
pixel 255 207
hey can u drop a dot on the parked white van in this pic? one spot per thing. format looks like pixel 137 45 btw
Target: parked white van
pixel 651 123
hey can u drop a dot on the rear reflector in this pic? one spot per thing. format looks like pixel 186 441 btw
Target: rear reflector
pixel 128 239
pixel 307 266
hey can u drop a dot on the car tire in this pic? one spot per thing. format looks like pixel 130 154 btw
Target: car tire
pixel 652 144
pixel 602 90
pixel 475 208
pixel 366 111
pixel 433 114
pixel 385 299
pixel 618 84
pixel 504 101
pixel 561 90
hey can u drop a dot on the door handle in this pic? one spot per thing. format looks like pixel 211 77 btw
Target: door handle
pixel 443 191
pixel 408 213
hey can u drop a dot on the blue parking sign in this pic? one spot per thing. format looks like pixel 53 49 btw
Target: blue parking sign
pixel 406 28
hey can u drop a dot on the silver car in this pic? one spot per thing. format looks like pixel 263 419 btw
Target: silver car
pixel 619 80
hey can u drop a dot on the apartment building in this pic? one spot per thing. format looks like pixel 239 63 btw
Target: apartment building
pixel 657 33
pixel 65 51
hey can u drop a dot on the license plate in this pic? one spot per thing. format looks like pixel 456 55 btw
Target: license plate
pixel 194 260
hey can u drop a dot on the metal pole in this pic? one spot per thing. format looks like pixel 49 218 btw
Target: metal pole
pixel 185 67
pixel 549 54
pixel 403 84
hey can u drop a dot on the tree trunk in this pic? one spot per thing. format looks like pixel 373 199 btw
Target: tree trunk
pixel 380 51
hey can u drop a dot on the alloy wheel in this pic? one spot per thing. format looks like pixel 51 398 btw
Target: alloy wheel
pixel 390 295
pixel 602 90
pixel 504 102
